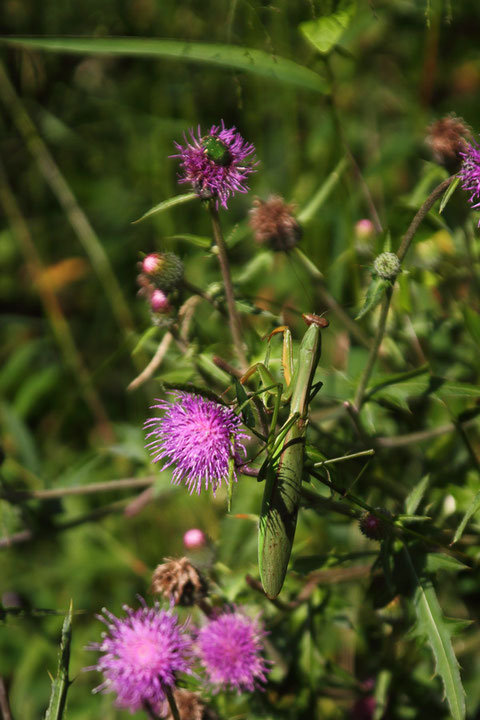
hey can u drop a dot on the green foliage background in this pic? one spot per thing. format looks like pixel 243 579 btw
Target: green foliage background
pixel 109 122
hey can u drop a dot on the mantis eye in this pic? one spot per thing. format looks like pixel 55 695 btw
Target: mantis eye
pixel 318 320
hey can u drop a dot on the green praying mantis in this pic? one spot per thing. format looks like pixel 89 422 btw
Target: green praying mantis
pixel 283 467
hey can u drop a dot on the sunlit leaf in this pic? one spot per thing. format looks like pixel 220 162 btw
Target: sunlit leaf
pixel 414 498
pixel 376 291
pixel 325 32
pixel 471 510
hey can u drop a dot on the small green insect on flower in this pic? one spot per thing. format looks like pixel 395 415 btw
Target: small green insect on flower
pixel 216 150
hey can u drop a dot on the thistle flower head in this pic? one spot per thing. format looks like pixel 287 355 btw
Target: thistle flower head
pixel 230 648
pixel 159 301
pixel 140 655
pixel 217 164
pixel 179 581
pixel 201 437
pixel 273 222
pixel 373 526
pixel 447 139
pixel 470 172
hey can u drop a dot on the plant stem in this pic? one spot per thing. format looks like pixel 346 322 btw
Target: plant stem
pixel 149 710
pixel 234 320
pixel 372 358
pixel 171 702
pixel 362 453
pixel 401 252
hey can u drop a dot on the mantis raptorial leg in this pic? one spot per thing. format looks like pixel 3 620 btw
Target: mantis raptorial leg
pixel 283 467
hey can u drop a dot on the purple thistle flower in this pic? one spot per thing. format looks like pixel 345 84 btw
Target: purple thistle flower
pixel 199 436
pixel 216 164
pixel 230 647
pixel 470 173
pixel 141 655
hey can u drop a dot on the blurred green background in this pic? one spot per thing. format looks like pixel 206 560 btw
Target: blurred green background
pixel 85 148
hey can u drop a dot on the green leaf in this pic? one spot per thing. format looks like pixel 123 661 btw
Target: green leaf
pixel 432 624
pixel 471 510
pixel 389 380
pixel 250 60
pixel 310 210
pixel 447 389
pixel 414 498
pixel 166 205
pixel 325 32
pixel 375 292
pixel 144 338
pixel 61 683
pixel 472 322
pixel 448 194
pixel 199 241
pixel 440 561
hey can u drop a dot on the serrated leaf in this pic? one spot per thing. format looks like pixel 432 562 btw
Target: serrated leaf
pixel 237 57
pixel 414 497
pixel 375 293
pixel 471 510
pixel 166 205
pixel 448 194
pixel 325 32
pixel 61 683
pixel 432 624
pixel 440 561
pixel 389 380
pixel 446 389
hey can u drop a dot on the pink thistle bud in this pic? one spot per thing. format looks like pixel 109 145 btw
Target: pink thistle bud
pixel 151 263
pixel 159 301
pixel 194 539
pixel 364 229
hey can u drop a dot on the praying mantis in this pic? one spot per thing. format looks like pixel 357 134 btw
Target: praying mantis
pixel 283 467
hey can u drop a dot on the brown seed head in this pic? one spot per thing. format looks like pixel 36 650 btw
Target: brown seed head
pixel 273 223
pixel 447 138
pixel 191 707
pixel 178 580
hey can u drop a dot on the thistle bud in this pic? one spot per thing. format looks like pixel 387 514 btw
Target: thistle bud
pixel 273 223
pixel 179 581
pixel 159 302
pixel 386 265
pixel 364 229
pixel 374 527
pixel 194 539
pixel 164 270
pixel 447 139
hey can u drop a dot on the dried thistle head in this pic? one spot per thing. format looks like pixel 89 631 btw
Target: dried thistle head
pixel 273 223
pixel 178 580
pixel 447 138
pixel 191 707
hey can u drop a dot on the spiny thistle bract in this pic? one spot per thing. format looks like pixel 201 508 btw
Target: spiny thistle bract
pixel 230 649
pixel 199 436
pixel 217 164
pixel 141 655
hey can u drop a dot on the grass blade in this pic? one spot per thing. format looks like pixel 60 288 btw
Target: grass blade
pixel 166 204
pixel 230 56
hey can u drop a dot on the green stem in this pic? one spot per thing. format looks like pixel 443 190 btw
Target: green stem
pixel 171 701
pixel 362 453
pixel 372 358
pixel 401 252
pixel 234 320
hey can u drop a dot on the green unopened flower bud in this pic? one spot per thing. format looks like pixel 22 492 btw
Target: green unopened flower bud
pixel 374 527
pixel 216 150
pixel 164 270
pixel 386 265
